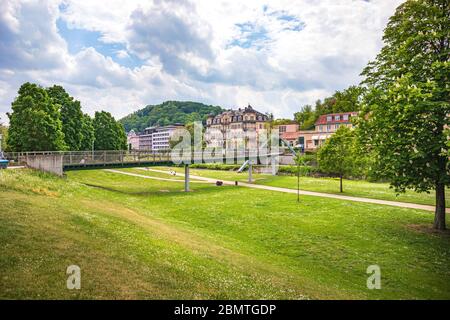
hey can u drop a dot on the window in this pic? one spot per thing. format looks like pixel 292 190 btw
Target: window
pixel 282 129
pixel 329 128
pixel 329 118
pixel 345 117
pixel 337 118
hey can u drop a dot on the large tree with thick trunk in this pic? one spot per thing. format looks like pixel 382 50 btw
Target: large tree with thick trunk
pixel 407 105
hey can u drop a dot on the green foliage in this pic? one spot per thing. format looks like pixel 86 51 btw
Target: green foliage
pixel 408 102
pixel 341 101
pixel 4 133
pixel 87 132
pixel 71 116
pixel 304 170
pixel 338 154
pixel 35 123
pixel 278 122
pixel 167 113
pixel 109 134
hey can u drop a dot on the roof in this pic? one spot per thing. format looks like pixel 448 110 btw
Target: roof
pixel 323 118
pixel 238 112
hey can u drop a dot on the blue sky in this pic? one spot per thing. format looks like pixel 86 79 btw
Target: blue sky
pixel 121 56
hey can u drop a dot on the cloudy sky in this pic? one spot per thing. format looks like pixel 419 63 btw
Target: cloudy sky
pixel 119 57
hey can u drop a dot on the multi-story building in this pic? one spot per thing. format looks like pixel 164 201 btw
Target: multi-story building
pixel 247 121
pixel 153 138
pixel 325 126
pixel 328 124
pixel 133 140
pixel 161 136
pixel 146 139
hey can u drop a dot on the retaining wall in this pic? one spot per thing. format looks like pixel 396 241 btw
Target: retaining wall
pixel 48 163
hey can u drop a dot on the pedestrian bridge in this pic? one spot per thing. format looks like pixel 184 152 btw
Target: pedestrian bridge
pixel 59 161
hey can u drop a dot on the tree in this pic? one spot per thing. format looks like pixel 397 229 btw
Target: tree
pixel 71 116
pixel 337 155
pixel 341 101
pixel 109 134
pixel 87 132
pixel 4 138
pixel 35 123
pixel 406 107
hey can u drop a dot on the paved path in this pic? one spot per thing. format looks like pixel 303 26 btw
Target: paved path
pixel 149 177
pixel 317 194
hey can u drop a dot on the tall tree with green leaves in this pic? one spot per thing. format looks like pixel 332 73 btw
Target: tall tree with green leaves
pixel 338 154
pixel 71 116
pixel 35 123
pixel 407 105
pixel 109 134
pixel 87 132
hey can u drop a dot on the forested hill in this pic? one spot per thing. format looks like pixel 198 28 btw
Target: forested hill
pixel 167 113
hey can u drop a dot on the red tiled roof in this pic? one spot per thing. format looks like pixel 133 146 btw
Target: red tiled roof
pixel 323 118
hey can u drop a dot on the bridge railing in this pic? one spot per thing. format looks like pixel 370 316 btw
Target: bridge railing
pixel 74 158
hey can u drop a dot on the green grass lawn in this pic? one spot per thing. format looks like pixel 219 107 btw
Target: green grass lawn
pixel 143 238
pixel 357 188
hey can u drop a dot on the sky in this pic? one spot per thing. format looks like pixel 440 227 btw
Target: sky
pixel 119 56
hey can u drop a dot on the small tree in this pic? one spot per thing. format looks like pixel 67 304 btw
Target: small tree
pixel 337 155
pixel 87 132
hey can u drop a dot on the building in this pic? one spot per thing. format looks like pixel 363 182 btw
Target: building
pixel 324 127
pixel 247 120
pixel 133 140
pixel 328 124
pixel 161 136
pixel 153 138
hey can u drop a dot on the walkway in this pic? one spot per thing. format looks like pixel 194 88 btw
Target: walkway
pixel 317 194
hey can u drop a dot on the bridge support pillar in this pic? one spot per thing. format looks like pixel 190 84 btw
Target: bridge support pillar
pixel 186 178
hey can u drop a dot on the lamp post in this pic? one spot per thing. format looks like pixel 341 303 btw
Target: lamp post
pixel 1 136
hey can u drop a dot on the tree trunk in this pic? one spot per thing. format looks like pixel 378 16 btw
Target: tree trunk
pixel 439 214
pixel 340 186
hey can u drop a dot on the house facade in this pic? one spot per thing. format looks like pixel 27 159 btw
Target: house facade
pixel 231 123
pixel 324 128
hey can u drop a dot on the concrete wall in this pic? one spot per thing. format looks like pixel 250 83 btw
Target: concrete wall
pixel 287 159
pixel 47 163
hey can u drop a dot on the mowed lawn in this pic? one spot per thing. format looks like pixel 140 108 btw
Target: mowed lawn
pixel 357 188
pixel 143 238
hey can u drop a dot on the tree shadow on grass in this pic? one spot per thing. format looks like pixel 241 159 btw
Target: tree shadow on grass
pixel 162 192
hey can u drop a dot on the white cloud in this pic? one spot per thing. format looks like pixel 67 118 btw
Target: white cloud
pixel 275 56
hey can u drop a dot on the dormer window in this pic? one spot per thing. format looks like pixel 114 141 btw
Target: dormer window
pixel 329 118
pixel 337 118
pixel 345 117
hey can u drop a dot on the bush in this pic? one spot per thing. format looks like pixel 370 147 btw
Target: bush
pixel 304 170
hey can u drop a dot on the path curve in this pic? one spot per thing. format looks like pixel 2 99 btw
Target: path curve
pixel 319 194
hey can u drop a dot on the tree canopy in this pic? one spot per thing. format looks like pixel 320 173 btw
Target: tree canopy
pixel 35 122
pixel 167 113
pixel 406 107
pixel 109 134
pixel 341 101
pixel 338 154
pixel 71 116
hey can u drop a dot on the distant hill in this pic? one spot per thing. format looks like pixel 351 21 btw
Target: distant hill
pixel 167 113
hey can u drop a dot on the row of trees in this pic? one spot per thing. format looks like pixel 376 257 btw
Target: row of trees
pixel 49 119
pixel 402 131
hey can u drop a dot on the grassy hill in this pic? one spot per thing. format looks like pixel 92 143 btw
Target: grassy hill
pixel 167 113
pixel 142 238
